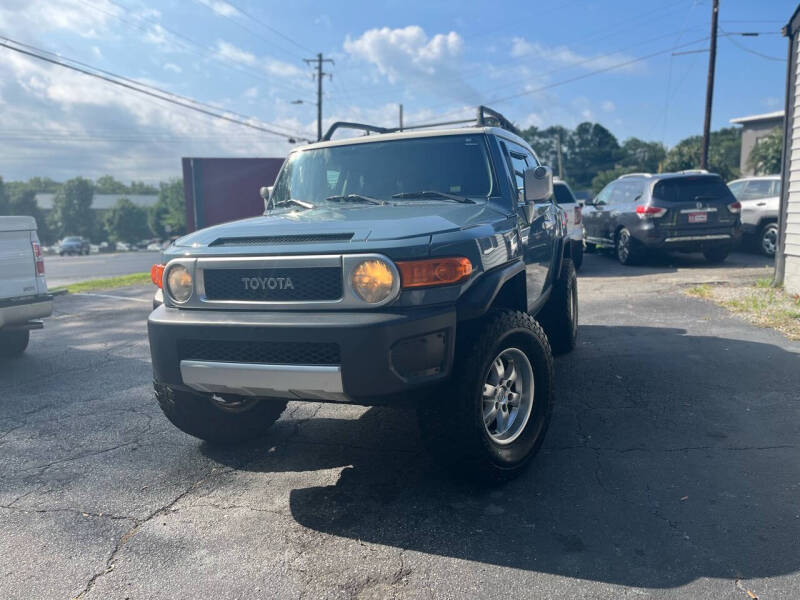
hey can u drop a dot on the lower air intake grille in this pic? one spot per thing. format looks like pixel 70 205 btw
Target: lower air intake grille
pixel 275 353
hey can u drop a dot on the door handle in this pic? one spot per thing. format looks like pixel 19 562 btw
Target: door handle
pixel 761 204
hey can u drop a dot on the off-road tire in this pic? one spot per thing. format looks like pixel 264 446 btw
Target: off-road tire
pixel 14 342
pixel 627 249
pixel 716 254
pixel 451 422
pixel 559 317
pixel 768 239
pixel 577 254
pixel 201 417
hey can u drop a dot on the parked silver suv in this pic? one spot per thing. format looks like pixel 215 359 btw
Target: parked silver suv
pixel 760 199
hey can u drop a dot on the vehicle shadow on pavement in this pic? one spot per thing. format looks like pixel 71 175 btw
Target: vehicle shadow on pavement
pixel 670 457
pixel 604 264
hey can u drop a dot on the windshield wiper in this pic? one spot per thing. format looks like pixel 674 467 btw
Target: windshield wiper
pixel 433 194
pixel 354 198
pixel 294 202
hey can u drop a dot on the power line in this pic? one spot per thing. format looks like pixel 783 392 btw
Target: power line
pixel 267 26
pixel 741 46
pixel 193 46
pixel 139 83
pixel 579 77
pixel 140 90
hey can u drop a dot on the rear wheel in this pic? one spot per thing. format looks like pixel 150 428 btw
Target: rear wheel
pixel 577 254
pixel 492 417
pixel 716 254
pixel 218 419
pixel 559 317
pixel 768 239
pixel 13 343
pixel 628 250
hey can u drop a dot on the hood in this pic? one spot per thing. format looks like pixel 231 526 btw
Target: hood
pixel 364 222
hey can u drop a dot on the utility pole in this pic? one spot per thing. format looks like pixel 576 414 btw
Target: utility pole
pixel 558 152
pixel 320 74
pixel 712 59
pixel 401 117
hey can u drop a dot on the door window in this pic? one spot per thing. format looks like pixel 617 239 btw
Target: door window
pixel 605 194
pixel 757 189
pixel 736 188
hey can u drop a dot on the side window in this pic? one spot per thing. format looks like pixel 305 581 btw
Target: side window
pixel 757 189
pixel 618 193
pixel 605 194
pixel 776 188
pixel 736 188
pixel 518 165
pixel 629 192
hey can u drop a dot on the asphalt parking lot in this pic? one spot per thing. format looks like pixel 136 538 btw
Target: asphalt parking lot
pixel 671 470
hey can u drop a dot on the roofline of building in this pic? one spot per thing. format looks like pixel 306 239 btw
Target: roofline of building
pixel 778 114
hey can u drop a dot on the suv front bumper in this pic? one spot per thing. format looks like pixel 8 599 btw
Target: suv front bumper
pixel 366 357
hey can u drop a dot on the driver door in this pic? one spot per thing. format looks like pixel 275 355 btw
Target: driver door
pixel 538 237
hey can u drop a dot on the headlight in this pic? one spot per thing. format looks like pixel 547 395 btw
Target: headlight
pixel 179 283
pixel 373 280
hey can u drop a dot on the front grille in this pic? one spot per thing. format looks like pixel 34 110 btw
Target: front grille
pixel 280 353
pixel 283 239
pixel 274 285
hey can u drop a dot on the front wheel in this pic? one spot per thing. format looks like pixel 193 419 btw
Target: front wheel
pixel 218 419
pixel 493 418
pixel 768 239
pixel 13 343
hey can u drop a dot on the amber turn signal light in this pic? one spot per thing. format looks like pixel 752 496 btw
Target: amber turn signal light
pixel 157 274
pixel 433 271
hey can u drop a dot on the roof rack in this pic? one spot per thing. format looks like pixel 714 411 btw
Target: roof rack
pixel 635 175
pixel 689 171
pixel 486 117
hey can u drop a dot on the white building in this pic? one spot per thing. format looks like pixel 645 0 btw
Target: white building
pixel 787 259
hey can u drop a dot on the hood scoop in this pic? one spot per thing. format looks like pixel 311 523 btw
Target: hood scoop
pixel 283 239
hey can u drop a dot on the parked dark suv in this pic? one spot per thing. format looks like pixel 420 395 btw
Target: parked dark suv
pixel 428 268
pixel 690 211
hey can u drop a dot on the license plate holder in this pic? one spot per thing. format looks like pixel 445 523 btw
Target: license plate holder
pixel 698 217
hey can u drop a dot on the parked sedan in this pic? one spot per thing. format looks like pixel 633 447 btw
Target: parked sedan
pixel 760 198
pixel 73 245
pixel 689 211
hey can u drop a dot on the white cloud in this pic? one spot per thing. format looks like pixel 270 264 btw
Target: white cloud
pixel 608 106
pixel 408 56
pixel 96 52
pixel 172 67
pixel 565 56
pixel 250 93
pixel 221 8
pixel 228 51
pixel 67 15
pixel 282 69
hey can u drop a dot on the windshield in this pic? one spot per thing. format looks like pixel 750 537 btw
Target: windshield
pixel 688 189
pixel 456 165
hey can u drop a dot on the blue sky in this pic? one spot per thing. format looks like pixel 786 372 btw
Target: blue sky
pixel 533 61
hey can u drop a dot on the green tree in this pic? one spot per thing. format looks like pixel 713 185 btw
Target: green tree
pixel 545 143
pixel 3 198
pixel 72 209
pixel 640 155
pixel 723 156
pixel 108 185
pixel 167 217
pixel 590 148
pixel 765 158
pixel 127 222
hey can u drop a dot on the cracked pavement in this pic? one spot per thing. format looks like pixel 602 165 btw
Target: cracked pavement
pixel 671 470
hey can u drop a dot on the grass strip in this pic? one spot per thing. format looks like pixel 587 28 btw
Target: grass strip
pixel 107 283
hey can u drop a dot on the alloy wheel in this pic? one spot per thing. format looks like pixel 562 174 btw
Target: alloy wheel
pixel 508 396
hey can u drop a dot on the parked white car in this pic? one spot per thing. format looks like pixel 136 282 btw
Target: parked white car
pixel 566 200
pixel 760 198
pixel 24 300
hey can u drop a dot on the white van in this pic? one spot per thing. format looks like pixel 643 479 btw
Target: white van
pixel 24 300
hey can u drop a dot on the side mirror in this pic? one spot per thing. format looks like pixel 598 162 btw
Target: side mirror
pixel 266 194
pixel 538 182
